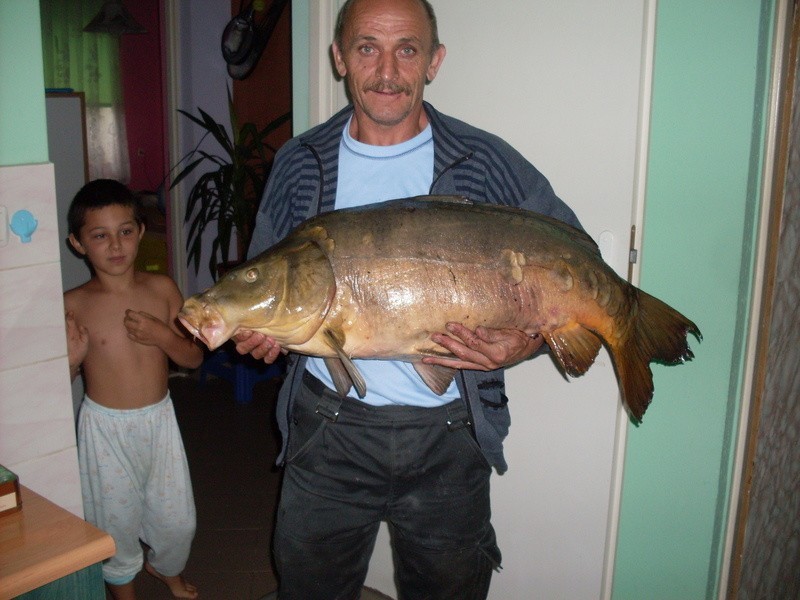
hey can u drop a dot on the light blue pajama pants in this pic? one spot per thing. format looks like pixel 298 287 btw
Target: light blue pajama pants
pixel 136 486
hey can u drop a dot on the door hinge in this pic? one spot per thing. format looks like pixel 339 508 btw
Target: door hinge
pixel 633 253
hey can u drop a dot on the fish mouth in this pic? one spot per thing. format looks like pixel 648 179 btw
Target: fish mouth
pixel 205 323
pixel 193 329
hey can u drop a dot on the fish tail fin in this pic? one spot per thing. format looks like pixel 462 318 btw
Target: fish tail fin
pixel 657 333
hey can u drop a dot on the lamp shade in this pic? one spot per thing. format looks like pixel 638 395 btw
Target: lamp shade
pixel 114 18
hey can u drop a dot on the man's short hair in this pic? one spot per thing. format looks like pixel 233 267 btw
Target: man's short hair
pixel 341 19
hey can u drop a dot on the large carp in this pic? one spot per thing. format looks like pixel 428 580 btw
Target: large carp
pixel 376 281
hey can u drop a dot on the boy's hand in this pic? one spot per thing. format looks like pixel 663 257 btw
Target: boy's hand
pixel 144 328
pixel 77 343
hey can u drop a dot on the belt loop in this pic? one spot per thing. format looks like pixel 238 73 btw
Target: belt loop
pixel 328 404
pixel 328 408
pixel 457 416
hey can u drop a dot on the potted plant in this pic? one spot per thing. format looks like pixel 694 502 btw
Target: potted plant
pixel 228 193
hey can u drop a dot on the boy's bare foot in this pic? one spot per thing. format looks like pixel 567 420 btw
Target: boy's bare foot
pixel 179 587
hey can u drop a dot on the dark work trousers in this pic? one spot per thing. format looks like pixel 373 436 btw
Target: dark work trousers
pixel 349 467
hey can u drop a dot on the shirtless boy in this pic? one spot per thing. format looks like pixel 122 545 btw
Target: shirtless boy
pixel 122 333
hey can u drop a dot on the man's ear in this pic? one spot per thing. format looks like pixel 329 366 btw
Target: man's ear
pixel 338 60
pixel 77 245
pixel 436 62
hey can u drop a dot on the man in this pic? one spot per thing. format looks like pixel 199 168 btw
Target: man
pixel 400 454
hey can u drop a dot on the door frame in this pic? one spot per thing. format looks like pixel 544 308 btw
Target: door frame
pixel 785 47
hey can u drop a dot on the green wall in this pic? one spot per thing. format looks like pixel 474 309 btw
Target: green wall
pixel 300 65
pixel 23 125
pixel 712 61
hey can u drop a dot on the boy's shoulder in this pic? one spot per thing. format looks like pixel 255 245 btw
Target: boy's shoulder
pixel 146 276
pixel 154 283
pixel 87 287
pixel 83 298
pixel 157 282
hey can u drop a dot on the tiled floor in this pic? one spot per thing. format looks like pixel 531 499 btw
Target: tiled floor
pixel 231 450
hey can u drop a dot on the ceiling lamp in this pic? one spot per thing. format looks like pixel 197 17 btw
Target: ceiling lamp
pixel 114 18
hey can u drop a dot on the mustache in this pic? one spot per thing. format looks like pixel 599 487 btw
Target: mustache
pixel 388 86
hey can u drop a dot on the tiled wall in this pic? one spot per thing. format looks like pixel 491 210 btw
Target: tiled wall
pixel 37 431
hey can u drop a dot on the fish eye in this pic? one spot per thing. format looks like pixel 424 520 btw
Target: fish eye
pixel 251 275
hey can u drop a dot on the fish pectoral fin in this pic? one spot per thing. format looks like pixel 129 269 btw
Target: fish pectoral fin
pixel 341 378
pixel 574 347
pixel 436 377
pixel 343 370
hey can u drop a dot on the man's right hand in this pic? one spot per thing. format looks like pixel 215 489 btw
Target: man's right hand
pixel 258 345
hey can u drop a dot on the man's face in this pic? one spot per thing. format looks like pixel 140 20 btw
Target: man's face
pixel 386 58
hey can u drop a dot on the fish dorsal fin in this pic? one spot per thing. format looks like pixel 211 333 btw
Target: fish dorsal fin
pixel 436 377
pixel 445 199
pixel 343 371
pixel 575 235
pixel 575 348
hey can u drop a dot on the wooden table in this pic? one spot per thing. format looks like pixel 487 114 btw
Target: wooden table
pixel 47 552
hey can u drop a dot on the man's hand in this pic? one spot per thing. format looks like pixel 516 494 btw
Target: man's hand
pixel 258 345
pixel 483 349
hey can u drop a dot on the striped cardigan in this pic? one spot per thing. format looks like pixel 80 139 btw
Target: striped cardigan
pixel 467 162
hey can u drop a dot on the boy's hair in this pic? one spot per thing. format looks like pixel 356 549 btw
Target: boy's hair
pixel 97 194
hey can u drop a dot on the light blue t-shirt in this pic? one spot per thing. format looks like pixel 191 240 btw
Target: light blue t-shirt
pixel 369 174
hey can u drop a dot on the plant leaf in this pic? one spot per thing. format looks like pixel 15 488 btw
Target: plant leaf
pixel 228 193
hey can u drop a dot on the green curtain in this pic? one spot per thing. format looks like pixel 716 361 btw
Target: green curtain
pixel 88 63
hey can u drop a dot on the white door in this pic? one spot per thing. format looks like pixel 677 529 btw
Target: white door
pixel 565 83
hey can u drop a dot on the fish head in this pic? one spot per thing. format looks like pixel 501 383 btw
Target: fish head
pixel 284 293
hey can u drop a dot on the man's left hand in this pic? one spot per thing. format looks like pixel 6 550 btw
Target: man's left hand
pixel 483 349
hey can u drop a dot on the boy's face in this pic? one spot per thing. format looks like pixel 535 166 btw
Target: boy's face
pixel 109 238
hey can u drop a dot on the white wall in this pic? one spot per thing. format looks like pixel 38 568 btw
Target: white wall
pixel 562 83
pixel 66 145
pixel 199 80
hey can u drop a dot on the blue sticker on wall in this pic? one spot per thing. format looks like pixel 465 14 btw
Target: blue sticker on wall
pixel 23 224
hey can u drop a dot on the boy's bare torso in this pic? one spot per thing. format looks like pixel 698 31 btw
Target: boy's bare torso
pixel 119 372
